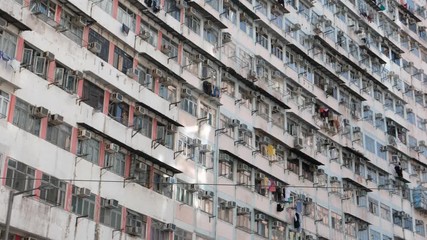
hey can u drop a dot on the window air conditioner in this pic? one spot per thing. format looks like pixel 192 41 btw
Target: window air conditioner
pixel 198 58
pixel 259 217
pixel 192 187
pixel 144 35
pixel 134 231
pixel 241 167
pixel 112 148
pixel 166 49
pixel 230 204
pixel 334 179
pixel 171 128
pixel 83 192
pixel 169 227
pixel 233 123
pixel 157 73
pixel 3 23
pixel 356 129
pixel 186 92
pixel 206 194
pixel 276 224
pixel 243 127
pixel 131 72
pixel 226 37
pixel 299 143
pixel 116 98
pixel 56 119
pixel 49 56
pixel 208 24
pixel 181 4
pixel 243 211
pixel 78 21
pixel 224 157
pixel 259 176
pixel 140 167
pixel 140 110
pixel 206 148
pixel 40 112
pixel 84 134
pixel 111 203
pixel 95 47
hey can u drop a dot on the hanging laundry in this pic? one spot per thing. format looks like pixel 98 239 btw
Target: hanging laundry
pixel 287 194
pixel 272 187
pixel 299 206
pixel 271 151
pixel 207 88
pixel 279 207
pixel 297 223
pixel 278 195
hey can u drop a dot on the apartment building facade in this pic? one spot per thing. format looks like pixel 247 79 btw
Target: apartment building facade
pixel 208 119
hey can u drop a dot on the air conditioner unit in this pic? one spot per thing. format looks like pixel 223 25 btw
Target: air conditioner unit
pixel 419 222
pixel 192 187
pixel 280 148
pixel 131 72
pixel 383 148
pixel 259 217
pixel 144 35
pixel 356 129
pixel 56 119
pixel 275 109
pixel 378 115
pixel 49 56
pixel 166 49
pixel 171 128
pixel 226 37
pixel 83 134
pixel 208 24
pixel 191 11
pixel 206 148
pixel 252 75
pixel 276 224
pixel 241 167
pixel 261 98
pixel 230 204
pixel 95 47
pixel 166 81
pixel 181 4
pixel 243 211
pixel 157 73
pixel 224 158
pixel 112 148
pixel 83 192
pixel 348 219
pixel 186 92
pixel 78 21
pixel 409 110
pixel 125 29
pixel 141 167
pixel 206 194
pixel 196 142
pixel 320 172
pixel 233 123
pixel 299 143
pixel 40 112
pixel 198 58
pixel 111 203
pixel 140 110
pixel 366 108
pixel 134 231
pixel 259 176
pixel 3 23
pixel 169 227
pixel 116 98
pixel 296 27
pixel 422 143
pixel 243 127
pixel 334 179
pixel 346 122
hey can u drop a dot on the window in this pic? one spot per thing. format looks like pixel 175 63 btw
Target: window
pixel 126 16
pixel 165 136
pixel 211 35
pixel 60 135
pixel 157 232
pixel 34 61
pixel 4 104
pixel 243 220
pixel 336 221
pixel 122 61
pixel 136 222
pixel 45 7
pixel 181 234
pixel 193 23
pixel 206 205
pixel 167 92
pixel 105 44
pixel 115 162
pixel 7 44
pixel 55 194
pixel 261 228
pixel 163 183
pixel 185 144
pixel 182 194
pixel 74 32
pixel 209 113
pixel 373 206
pixel 189 104
pixel 323 214
pixel 173 48
pixel 152 40
pixel 143 124
pixel 225 213
pixel 226 169
pixel 110 216
pixel 420 227
pixel 89 150
pixel 396 218
pixel 83 205
pixel 19 176
pixel 375 235
pixel 106 5
pixel 93 95
pixel 144 78
pixel 230 14
pixel 140 170
pixel 24 119
pixel 119 111
pixel 243 175
pixel 246 25
pixel 65 78
pixel 229 87
pixel 170 7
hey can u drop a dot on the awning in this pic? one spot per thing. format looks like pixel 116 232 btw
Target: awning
pixel 130 149
pixel 402 179
pixel 409 11
pixel 245 9
pixel 358 185
pixel 306 157
pixel 206 14
pixel 138 4
pixel 355 217
pixel 299 118
pixel 170 120
pixel 12 20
